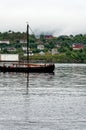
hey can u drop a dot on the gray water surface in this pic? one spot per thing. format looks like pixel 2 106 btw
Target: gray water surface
pixel 46 102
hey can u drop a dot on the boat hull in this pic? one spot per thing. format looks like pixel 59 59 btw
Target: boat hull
pixel 39 69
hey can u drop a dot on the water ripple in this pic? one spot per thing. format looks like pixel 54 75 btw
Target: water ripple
pixel 44 101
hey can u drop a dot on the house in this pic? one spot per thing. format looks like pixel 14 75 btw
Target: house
pixel 41 53
pixel 54 51
pixel 9 57
pixel 48 36
pixel 77 46
pixel 5 42
pixel 25 48
pixel 11 49
pixel 30 53
pixel 25 51
pixel 23 41
pixel 40 47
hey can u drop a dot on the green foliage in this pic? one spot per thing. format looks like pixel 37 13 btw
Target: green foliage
pixel 32 39
pixel 33 45
pixel 42 38
pixel 66 53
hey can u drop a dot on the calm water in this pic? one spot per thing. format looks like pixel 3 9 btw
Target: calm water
pixel 46 101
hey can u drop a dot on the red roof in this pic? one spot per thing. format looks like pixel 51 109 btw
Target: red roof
pixel 78 46
pixel 48 36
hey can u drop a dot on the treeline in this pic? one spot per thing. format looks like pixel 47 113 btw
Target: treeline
pixel 13 36
pixel 67 57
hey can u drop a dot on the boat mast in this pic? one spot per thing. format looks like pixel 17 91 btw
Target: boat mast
pixel 27 43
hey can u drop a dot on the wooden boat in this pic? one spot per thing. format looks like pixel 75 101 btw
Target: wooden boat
pixel 28 68
pixel 35 68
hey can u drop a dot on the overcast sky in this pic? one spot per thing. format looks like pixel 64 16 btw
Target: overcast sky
pixel 58 17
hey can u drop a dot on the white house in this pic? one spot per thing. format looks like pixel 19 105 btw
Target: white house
pixel 23 41
pixel 42 53
pixel 5 42
pixel 25 48
pixel 40 47
pixel 54 51
pixel 30 53
pixel 9 57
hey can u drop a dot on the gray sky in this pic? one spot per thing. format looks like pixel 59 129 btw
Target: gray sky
pixel 60 17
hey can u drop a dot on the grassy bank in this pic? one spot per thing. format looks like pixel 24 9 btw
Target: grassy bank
pixel 57 58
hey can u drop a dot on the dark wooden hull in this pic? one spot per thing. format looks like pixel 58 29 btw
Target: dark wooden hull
pixel 40 69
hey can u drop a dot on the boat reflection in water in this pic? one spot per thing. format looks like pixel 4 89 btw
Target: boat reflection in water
pixel 36 76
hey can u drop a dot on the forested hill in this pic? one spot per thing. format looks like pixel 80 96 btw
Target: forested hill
pixel 11 36
pixel 15 36
pixel 62 44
